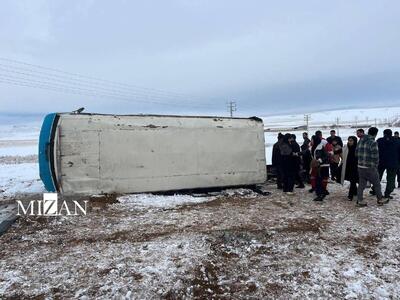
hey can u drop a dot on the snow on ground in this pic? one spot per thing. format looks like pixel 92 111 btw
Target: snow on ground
pixel 257 247
pixel 19 171
pixel 20 131
pixel 20 178
pixel 155 201
pixel 18 148
pixel 171 201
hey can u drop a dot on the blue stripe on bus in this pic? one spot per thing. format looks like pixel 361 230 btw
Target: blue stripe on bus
pixel 44 146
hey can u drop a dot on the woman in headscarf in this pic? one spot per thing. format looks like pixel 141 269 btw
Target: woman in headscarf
pixel 289 159
pixel 297 151
pixel 313 164
pixel 350 166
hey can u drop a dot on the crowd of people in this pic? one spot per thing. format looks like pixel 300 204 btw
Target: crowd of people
pixel 362 161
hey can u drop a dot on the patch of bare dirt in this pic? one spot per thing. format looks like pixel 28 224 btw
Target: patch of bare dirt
pixel 222 201
pixel 367 245
pixel 302 225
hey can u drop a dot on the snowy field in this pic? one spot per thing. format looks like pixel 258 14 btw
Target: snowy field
pixel 19 173
pixel 223 247
pixel 354 117
pixel 234 245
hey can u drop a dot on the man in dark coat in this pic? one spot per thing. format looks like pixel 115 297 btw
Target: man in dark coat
pixel 397 137
pixel 306 142
pixel 277 161
pixel 335 137
pixel 389 160
pixel 288 162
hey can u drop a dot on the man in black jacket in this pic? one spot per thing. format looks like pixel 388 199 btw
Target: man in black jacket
pixel 397 137
pixel 335 137
pixel 389 160
pixel 277 161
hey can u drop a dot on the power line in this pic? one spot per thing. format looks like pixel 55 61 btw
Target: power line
pixel 69 79
pixel 72 91
pixel 55 77
pixel 55 83
pixel 37 76
pixel 56 72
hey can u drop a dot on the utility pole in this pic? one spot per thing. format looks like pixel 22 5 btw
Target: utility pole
pixel 307 118
pixel 337 125
pixel 232 107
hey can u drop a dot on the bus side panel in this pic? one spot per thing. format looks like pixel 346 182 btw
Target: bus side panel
pixel 131 154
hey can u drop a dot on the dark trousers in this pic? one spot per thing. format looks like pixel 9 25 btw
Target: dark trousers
pixel 288 181
pixel 306 175
pixel 279 177
pixel 353 188
pixel 390 179
pixel 323 175
pixel 298 179
pixel 334 170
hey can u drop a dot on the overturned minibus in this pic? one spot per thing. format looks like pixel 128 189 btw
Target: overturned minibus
pixel 82 153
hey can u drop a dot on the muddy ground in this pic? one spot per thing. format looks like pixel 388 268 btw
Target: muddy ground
pixel 224 247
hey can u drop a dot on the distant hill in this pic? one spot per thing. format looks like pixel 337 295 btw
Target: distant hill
pixel 355 117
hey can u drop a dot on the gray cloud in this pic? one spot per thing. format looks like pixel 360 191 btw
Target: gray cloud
pixel 286 56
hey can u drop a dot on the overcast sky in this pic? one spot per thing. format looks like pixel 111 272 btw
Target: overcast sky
pixel 268 56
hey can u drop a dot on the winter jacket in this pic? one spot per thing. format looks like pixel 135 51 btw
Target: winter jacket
pixel 296 150
pixel 321 154
pixel 367 152
pixel 349 164
pixel 289 159
pixel 306 157
pixel 389 153
pixel 306 144
pixel 276 154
